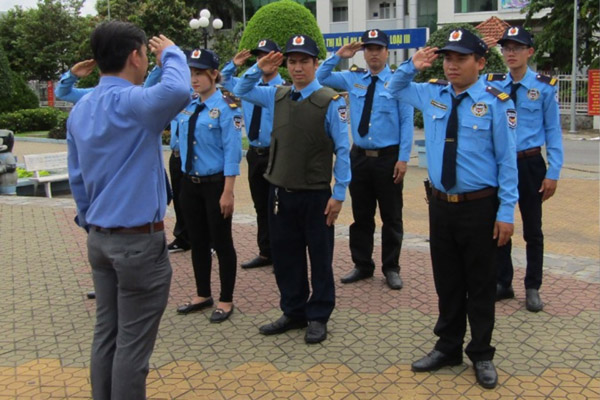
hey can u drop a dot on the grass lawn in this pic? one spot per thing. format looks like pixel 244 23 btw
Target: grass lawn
pixel 37 134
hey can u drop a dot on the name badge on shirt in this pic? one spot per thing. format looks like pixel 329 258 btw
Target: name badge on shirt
pixel 186 112
pixel 214 113
pixel 439 105
pixel 479 109
pixel 533 94
pixel 511 117
pixel 358 85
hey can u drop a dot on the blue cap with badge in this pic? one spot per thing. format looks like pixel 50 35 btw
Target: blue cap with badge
pixel 265 46
pixel 464 42
pixel 517 34
pixel 301 44
pixel 203 59
pixel 375 36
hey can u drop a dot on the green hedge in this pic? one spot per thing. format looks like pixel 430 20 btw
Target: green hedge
pixel 37 119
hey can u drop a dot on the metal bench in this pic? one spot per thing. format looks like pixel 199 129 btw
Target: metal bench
pixel 47 162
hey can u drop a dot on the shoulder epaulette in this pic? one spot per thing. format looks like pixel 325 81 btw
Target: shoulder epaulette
pixel 438 81
pixel 354 68
pixel 498 93
pixel 547 79
pixel 335 97
pixel 496 77
pixel 230 100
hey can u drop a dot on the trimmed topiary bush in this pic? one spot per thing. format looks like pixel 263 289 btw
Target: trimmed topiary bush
pixel 60 129
pixel 280 20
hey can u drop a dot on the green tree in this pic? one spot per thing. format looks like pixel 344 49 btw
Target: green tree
pixel 554 44
pixel 16 94
pixel 225 43
pixel 280 20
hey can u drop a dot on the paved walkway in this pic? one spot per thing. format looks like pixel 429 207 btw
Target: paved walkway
pixel 46 322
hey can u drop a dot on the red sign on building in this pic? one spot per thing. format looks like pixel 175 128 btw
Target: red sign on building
pixel 50 94
pixel 594 92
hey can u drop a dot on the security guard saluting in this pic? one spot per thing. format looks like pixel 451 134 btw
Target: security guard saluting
pixel 539 124
pixel 259 124
pixel 309 126
pixel 470 143
pixel 210 142
pixel 382 132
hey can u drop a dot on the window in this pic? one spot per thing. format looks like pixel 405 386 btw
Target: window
pixel 340 13
pixel 387 10
pixel 465 6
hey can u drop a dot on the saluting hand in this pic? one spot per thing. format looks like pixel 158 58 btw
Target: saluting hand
pixel 157 45
pixel 399 171
pixel 333 209
pixel 424 58
pixel 271 61
pixel 83 68
pixel 240 58
pixel 548 188
pixel 503 231
pixel 349 50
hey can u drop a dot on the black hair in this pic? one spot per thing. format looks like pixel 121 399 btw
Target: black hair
pixel 113 41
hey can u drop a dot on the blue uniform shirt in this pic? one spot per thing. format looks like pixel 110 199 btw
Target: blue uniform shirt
pixel 115 159
pixel 217 137
pixel 266 117
pixel 335 122
pixel 486 153
pixel 539 118
pixel 391 121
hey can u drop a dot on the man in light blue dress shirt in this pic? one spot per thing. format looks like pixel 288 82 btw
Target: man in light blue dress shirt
pixel 117 179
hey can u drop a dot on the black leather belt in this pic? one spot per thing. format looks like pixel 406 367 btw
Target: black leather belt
pixel 534 151
pixel 147 228
pixel 261 151
pixel 218 177
pixel 461 197
pixel 376 152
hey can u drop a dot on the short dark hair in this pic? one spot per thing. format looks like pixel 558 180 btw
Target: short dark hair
pixel 113 41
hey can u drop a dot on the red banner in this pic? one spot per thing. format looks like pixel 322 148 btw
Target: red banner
pixel 594 92
pixel 50 94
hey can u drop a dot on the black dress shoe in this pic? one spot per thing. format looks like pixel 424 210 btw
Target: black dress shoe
pixel 283 324
pixel 256 262
pixel 504 292
pixel 220 315
pixel 91 295
pixel 486 374
pixel 316 332
pixel 356 275
pixel 533 302
pixel 190 307
pixel 434 361
pixel 177 246
pixel 393 280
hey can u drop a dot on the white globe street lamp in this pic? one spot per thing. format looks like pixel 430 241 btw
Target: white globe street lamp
pixel 203 22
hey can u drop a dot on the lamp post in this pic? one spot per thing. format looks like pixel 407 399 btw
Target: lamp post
pixel 203 23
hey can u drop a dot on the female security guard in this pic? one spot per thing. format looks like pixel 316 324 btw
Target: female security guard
pixel 211 150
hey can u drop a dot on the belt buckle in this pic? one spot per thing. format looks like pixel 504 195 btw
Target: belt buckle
pixel 452 198
pixel 195 179
pixel 372 153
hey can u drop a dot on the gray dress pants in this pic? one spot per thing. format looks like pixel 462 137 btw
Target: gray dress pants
pixel 132 277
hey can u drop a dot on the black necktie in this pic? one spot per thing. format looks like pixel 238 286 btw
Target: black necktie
pixel 365 118
pixel 449 162
pixel 294 95
pixel 513 92
pixel 255 121
pixel 189 159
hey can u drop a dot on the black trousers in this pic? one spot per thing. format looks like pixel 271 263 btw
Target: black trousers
pixel 300 224
pixel 532 171
pixel 373 183
pixel 206 226
pixel 175 171
pixel 463 255
pixel 259 190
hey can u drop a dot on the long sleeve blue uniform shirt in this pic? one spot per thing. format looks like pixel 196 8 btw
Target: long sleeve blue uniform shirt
pixel 539 118
pixel 335 121
pixel 266 117
pixel 115 160
pixel 391 121
pixel 217 137
pixel 486 153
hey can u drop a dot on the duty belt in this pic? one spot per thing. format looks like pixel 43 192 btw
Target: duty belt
pixel 534 151
pixel 147 228
pixel 461 197
pixel 218 177
pixel 393 149
pixel 261 151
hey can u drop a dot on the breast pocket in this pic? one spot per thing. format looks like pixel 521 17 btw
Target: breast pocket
pixel 475 134
pixel 530 113
pixel 436 119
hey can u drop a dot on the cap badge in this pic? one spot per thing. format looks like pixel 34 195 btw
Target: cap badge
pixel 514 31
pixel 373 34
pixel 196 53
pixel 298 41
pixel 455 36
pixel 262 43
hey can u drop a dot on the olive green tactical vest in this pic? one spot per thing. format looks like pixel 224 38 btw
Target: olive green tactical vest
pixel 301 153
